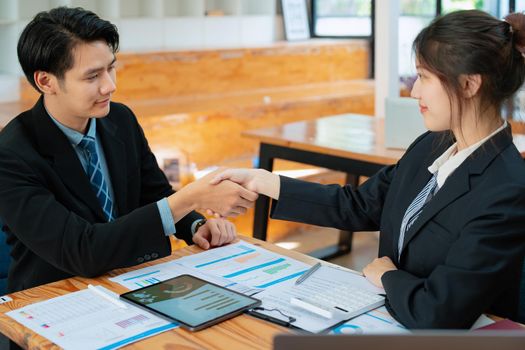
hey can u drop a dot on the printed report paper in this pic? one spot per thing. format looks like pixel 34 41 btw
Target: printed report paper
pixel 153 274
pixel 84 320
pixel 324 279
pixel 377 321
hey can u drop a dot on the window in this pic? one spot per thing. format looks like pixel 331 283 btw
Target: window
pixel 354 18
pixel 455 5
pixel 497 8
pixel 414 16
pixel 342 18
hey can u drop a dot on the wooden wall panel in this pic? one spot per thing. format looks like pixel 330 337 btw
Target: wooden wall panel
pixel 160 75
pixel 518 127
pixel 214 137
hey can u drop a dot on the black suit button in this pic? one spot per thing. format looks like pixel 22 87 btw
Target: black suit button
pixel 154 255
pixel 140 260
pixel 147 257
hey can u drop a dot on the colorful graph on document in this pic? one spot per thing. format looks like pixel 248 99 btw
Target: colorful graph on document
pixel 375 321
pixel 140 318
pixel 247 264
pixel 143 280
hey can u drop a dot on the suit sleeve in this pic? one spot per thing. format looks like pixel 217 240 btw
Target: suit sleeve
pixel 156 186
pixel 64 239
pixel 342 207
pixel 480 263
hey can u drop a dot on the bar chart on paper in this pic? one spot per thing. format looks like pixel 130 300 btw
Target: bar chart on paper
pixel 150 275
pixel 143 280
pixel 246 264
pixel 153 274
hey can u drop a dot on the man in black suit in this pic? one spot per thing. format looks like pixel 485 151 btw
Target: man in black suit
pixel 80 190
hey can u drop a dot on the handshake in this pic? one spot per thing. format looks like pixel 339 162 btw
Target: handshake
pixel 231 192
pixel 224 193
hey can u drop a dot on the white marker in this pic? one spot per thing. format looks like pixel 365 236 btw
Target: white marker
pixel 312 307
pixel 5 299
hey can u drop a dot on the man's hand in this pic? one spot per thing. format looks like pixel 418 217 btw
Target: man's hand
pixel 226 198
pixel 375 270
pixel 214 233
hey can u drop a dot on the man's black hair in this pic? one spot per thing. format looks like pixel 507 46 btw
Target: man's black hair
pixel 48 41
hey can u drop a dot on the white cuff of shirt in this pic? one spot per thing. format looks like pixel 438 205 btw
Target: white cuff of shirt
pixel 166 217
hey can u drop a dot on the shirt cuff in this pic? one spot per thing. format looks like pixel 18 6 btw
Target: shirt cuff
pixel 166 217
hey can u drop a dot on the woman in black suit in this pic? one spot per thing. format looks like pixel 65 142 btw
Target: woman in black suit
pixel 451 212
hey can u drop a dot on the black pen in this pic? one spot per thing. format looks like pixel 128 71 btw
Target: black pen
pixel 269 318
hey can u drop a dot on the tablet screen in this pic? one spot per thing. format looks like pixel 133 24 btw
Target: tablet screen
pixel 191 301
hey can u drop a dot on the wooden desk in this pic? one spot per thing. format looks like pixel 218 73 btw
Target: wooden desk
pixel 351 143
pixel 242 332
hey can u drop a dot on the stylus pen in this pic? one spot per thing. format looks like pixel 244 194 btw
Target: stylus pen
pixel 269 318
pixel 101 292
pixel 308 273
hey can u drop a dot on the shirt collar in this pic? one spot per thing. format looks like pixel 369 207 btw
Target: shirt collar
pixel 448 161
pixel 72 135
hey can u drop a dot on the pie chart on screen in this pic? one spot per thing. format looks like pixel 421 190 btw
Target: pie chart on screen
pixel 177 289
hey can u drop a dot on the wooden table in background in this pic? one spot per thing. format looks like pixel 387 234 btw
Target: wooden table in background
pixel 351 143
pixel 241 332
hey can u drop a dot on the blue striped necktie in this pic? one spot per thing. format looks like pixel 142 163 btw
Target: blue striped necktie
pixel 415 209
pixel 96 177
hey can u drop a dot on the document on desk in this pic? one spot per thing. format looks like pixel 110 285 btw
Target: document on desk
pixel 377 321
pixel 325 278
pixel 84 320
pixel 246 264
pixel 161 272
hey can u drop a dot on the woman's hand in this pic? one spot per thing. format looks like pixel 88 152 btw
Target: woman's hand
pixel 244 177
pixel 375 270
pixel 255 180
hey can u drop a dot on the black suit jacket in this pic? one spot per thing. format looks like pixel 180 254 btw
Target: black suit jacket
pixel 464 253
pixel 56 227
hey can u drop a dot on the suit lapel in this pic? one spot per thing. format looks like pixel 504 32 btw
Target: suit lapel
pixel 115 152
pixel 54 145
pixel 458 183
